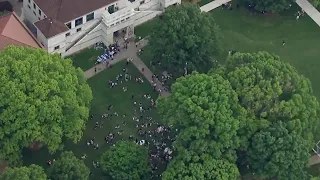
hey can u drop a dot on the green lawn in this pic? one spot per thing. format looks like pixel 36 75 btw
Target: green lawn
pixel 250 33
pixel 204 2
pixel 103 96
pixel 86 58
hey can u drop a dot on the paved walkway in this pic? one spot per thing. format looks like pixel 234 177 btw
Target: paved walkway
pixel 310 10
pixel 212 5
pixel 131 52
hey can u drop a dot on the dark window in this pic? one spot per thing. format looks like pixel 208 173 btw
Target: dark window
pixel 34 13
pixel 68 34
pixel 141 2
pixel 29 7
pixel 78 22
pixel 79 29
pixel 57 47
pixel 69 25
pixel 39 19
pixel 29 1
pixel 90 16
pixel 111 9
pixel 34 5
pixel 39 12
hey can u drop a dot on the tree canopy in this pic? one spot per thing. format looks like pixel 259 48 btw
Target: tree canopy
pixel 32 172
pixel 254 106
pixel 126 161
pixel 43 99
pixel 68 167
pixel 203 167
pixel 275 152
pixel 184 34
pixel 271 5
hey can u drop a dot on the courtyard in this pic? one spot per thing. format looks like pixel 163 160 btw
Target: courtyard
pixel 122 111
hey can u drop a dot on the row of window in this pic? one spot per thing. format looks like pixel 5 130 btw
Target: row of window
pixel 79 21
pixel 68 34
pixel 34 7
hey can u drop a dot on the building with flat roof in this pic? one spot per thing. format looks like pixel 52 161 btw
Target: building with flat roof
pixel 14 32
pixel 65 26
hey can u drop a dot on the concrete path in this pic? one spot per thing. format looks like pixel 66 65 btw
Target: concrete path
pixel 148 74
pixel 131 52
pixel 310 10
pixel 212 5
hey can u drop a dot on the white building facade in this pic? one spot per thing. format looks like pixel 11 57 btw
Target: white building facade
pixel 65 28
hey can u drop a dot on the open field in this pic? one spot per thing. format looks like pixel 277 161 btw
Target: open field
pixel 103 96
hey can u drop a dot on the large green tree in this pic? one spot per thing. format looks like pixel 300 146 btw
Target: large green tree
pixel 183 35
pixel 275 152
pixel 68 167
pixel 43 99
pixel 32 172
pixel 203 167
pixel 126 161
pixel 206 111
pixel 271 5
pixel 272 90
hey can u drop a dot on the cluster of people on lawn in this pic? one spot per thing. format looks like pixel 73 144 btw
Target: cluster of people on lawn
pixel 109 53
pixel 156 137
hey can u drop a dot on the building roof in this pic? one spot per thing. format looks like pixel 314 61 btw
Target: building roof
pixel 59 12
pixel 14 32
pixel 50 27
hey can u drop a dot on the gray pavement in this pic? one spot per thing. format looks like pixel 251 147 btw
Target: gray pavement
pixel 310 10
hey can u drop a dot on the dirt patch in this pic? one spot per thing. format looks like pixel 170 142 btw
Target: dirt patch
pixel 3 166
pixel 35 147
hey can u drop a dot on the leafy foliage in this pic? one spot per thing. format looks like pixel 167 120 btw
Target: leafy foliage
pixel 202 167
pixel 68 167
pixel 271 5
pixel 185 35
pixel 126 161
pixel 272 90
pixel 275 152
pixel 255 105
pixel 32 172
pixel 43 99
pixel 205 109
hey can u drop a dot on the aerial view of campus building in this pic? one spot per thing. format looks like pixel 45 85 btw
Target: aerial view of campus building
pixel 159 90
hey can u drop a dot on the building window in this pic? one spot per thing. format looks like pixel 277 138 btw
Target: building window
pixel 39 12
pixel 69 25
pixel 39 19
pixel 78 22
pixel 29 7
pixel 68 34
pixel 29 1
pixel 34 13
pixel 141 2
pixel 79 29
pixel 111 9
pixel 56 48
pixel 34 5
pixel 90 16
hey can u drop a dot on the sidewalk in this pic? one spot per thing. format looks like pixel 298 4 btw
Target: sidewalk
pixel 310 10
pixel 131 52
pixel 212 5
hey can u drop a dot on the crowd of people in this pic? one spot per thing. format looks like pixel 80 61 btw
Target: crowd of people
pixel 149 132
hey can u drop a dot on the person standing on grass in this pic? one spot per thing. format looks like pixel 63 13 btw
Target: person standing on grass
pixel 283 43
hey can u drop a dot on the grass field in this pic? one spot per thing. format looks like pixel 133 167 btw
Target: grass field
pixel 250 33
pixel 86 58
pixel 103 96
